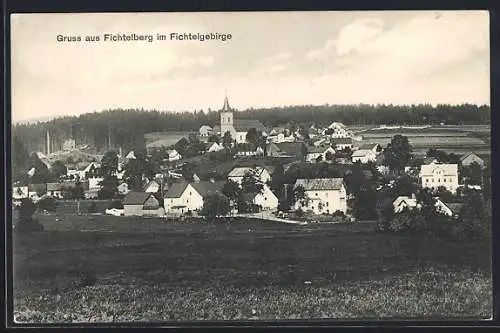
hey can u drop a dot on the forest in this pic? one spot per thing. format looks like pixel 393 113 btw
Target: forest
pixel 126 128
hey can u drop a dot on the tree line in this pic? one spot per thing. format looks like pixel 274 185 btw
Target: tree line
pixel 126 127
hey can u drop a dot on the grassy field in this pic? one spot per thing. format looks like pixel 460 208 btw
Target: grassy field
pixel 112 269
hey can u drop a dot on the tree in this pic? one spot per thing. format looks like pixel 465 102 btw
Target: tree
pixel 329 131
pixel 214 138
pixel 329 156
pixel 26 221
pixel 109 188
pixel 299 195
pixel 136 170
pixel 364 203
pixel 252 135
pixel 251 183
pixel 59 169
pixel 215 205
pixel 77 192
pixel 227 140
pixel 42 173
pixel 49 204
pixel 278 180
pixel 19 159
pixel 474 219
pixel 398 153
pixel 182 146
pixel 385 213
pixel 472 174
pixel 231 190
pixel 109 164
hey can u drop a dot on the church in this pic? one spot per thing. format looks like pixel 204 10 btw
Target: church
pixel 237 127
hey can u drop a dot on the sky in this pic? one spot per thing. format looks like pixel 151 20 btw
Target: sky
pixel 272 59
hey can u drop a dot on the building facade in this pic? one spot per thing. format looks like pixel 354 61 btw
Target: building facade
pixel 323 195
pixel 435 175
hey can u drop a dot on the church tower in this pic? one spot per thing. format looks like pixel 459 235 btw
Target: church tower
pixel 226 118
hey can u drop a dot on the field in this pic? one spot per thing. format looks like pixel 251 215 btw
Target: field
pixel 163 139
pixel 452 139
pixel 112 269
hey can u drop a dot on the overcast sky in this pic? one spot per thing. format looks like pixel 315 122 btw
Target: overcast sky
pixel 273 59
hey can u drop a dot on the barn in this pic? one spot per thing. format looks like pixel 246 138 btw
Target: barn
pixel 141 204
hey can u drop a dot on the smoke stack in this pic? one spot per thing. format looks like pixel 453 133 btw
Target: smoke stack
pixel 48 142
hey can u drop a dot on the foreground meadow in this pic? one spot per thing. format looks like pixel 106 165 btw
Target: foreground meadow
pixel 111 269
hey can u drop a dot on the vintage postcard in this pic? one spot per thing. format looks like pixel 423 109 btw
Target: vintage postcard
pixel 251 166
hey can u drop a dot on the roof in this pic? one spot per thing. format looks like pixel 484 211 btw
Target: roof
pixel 448 169
pixel 241 171
pixel 244 125
pixel 202 187
pixel 205 187
pixel 151 183
pixel 368 146
pixel 361 152
pixel 291 148
pixel 320 184
pixel 136 198
pixel 464 156
pixel 455 207
pixel 342 141
pixel 205 127
pixel 315 149
pixel 37 187
pixel 412 202
pixel 176 190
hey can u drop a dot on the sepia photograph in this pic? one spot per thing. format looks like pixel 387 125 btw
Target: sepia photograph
pixel 250 166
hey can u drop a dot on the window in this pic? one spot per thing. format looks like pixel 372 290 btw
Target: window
pixel 326 194
pixel 326 204
pixel 444 180
pixel 439 180
pixel 190 193
pixel 427 180
pixel 316 193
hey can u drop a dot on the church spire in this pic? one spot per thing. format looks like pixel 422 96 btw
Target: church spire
pixel 226 106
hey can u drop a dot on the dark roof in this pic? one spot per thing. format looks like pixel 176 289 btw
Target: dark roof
pixel 205 187
pixel 291 148
pixel 55 186
pixel 320 183
pixel 342 141
pixel 136 198
pixel 37 187
pixel 368 146
pixel 455 207
pixel 176 190
pixel 464 156
pixel 244 125
pixel 314 149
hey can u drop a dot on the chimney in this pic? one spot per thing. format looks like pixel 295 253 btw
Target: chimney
pixel 413 196
pixel 48 142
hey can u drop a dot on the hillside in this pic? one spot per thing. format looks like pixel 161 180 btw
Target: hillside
pixel 126 128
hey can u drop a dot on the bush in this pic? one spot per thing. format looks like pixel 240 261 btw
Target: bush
pixel 49 204
pixel 338 213
pixel 117 204
pixel 92 208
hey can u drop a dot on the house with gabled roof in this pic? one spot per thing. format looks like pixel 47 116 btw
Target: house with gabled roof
pixel 313 153
pixel 237 174
pixel 265 199
pixel 205 130
pixel 324 195
pixel 404 202
pixel 450 209
pixel 435 175
pixel 469 158
pixel 141 204
pixel 183 197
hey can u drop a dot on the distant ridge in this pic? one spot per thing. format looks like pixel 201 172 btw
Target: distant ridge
pixel 35 120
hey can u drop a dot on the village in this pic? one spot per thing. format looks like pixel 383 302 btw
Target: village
pixel 241 168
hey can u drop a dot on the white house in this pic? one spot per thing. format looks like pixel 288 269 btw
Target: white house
pixel 238 128
pixel 342 143
pixel 403 202
pixel 141 204
pixel 236 175
pixel 448 209
pixel 324 195
pixel 186 197
pixel 214 146
pixel 315 152
pixel 339 130
pixel 94 187
pixel 205 130
pixel 173 155
pixel 276 138
pixel 265 199
pixel 364 156
pixel 20 192
pixel 435 175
